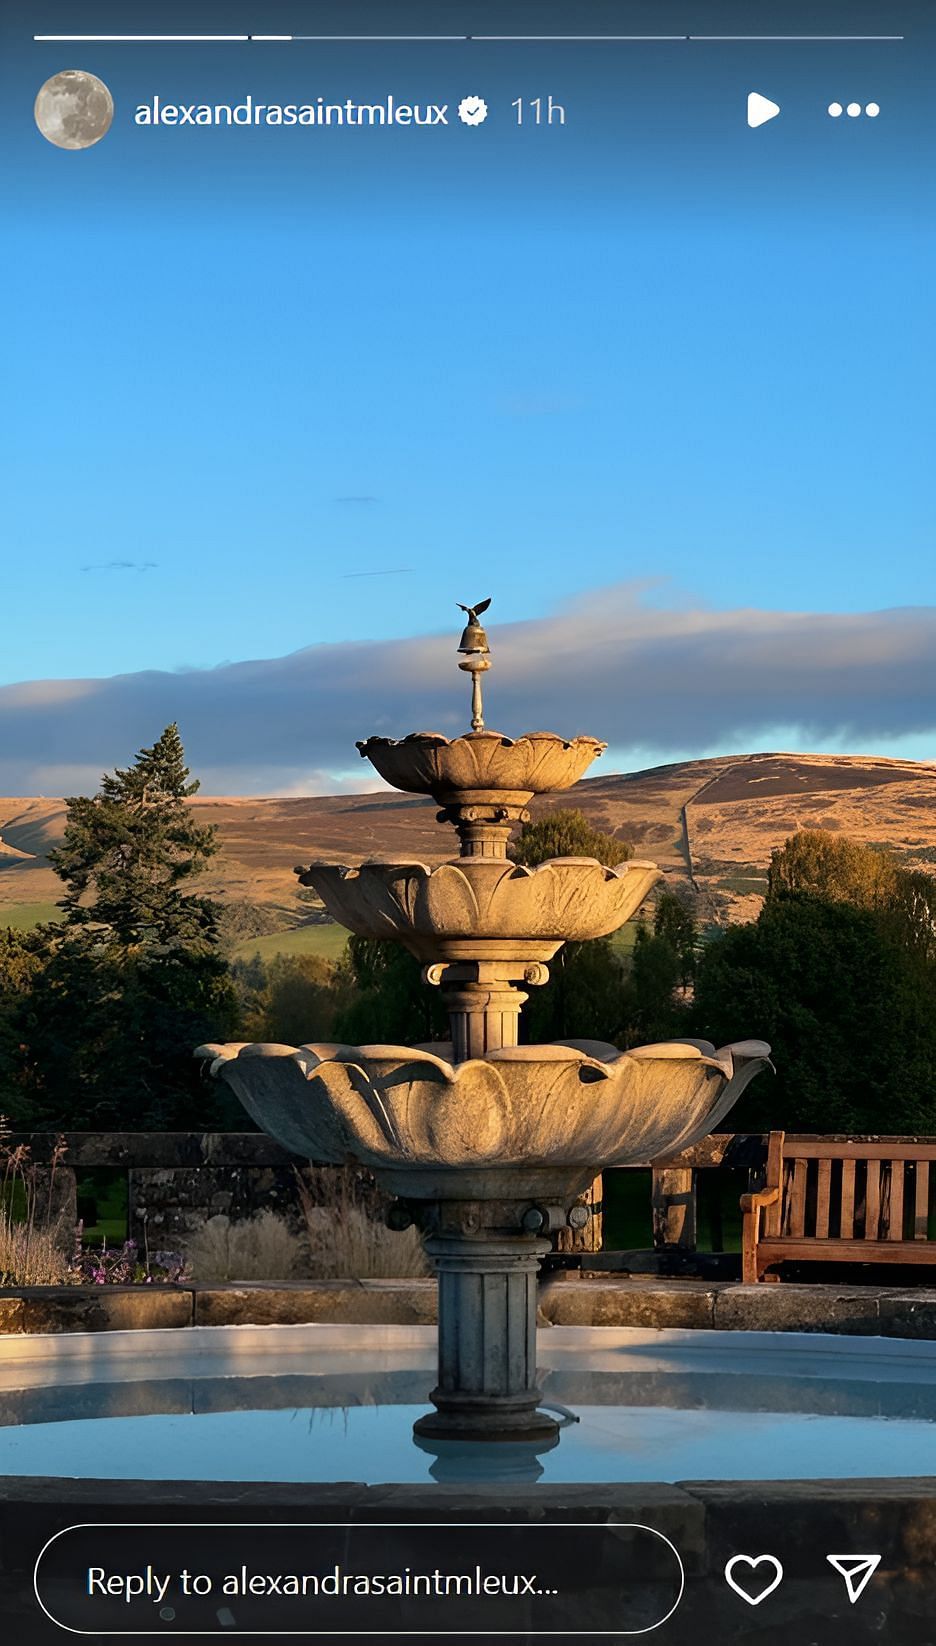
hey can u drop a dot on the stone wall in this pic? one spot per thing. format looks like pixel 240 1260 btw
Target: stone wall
pixel 178 1179
pixel 167 1204
pixel 799 1522
pixel 175 1180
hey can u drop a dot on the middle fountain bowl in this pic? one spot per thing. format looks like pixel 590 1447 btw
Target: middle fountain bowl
pixel 482 908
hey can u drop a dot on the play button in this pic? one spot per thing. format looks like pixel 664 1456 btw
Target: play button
pixel 760 109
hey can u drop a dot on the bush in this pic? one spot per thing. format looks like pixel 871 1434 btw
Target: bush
pixel 262 1247
pixel 33 1247
pixel 31 1256
pixel 341 1208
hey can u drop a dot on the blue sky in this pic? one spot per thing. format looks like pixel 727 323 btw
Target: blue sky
pixel 651 348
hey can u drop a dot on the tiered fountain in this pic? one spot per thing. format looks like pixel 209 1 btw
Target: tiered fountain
pixel 488 1145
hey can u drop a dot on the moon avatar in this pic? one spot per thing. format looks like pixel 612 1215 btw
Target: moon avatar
pixel 74 109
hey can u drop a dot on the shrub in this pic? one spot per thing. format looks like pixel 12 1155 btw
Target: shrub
pixel 262 1247
pixel 31 1256
pixel 341 1208
pixel 32 1249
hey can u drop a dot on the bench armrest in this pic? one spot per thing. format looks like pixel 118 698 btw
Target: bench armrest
pixel 761 1197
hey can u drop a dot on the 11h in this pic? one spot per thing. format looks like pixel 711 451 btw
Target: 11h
pixel 539 111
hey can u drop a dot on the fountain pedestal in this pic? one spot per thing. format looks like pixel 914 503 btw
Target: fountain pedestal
pixel 487 1339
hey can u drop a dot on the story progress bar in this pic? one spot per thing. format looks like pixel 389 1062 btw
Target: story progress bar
pixel 470 39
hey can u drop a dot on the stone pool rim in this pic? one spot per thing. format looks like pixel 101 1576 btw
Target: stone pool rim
pixel 587 1299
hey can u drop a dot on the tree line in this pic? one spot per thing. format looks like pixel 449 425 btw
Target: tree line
pixel 100 1010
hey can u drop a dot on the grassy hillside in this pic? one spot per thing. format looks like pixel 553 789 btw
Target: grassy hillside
pixel 712 823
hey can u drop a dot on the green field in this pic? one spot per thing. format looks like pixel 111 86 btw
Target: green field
pixel 329 941
pixel 23 916
pixel 325 940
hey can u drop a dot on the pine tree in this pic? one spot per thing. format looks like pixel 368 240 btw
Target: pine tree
pixel 135 976
pixel 130 851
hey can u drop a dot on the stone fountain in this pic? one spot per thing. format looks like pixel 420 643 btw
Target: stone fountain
pixel 487 1145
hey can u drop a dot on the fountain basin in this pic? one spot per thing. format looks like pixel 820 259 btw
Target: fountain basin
pixel 326 1403
pixel 481 908
pixel 483 762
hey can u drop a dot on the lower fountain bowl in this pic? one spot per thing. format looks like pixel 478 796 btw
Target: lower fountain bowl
pixel 489 1156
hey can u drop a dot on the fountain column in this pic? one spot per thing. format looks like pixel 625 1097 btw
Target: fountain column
pixel 484 998
pixel 484 1001
pixel 487 1339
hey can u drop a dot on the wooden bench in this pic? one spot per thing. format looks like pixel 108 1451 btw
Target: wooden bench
pixel 839 1200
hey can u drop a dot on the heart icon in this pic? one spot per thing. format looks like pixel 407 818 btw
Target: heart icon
pixel 758 1588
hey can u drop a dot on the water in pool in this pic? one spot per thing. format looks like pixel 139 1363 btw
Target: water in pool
pixel 646 1406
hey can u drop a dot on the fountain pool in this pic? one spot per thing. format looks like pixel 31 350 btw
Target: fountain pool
pixel 335 1403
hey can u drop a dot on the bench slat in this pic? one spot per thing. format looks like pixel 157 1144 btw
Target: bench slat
pixel 773 1214
pixel 817 1148
pixel 822 1199
pixel 848 1200
pixel 797 1193
pixel 896 1201
pixel 852 1251
pixel 873 1201
pixel 921 1200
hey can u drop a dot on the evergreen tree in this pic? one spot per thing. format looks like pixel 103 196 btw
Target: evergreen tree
pixel 134 976
pixel 130 851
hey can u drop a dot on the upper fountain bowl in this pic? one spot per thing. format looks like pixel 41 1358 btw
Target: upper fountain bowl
pixel 484 765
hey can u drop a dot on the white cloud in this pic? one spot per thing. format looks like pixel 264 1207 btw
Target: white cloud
pixel 643 678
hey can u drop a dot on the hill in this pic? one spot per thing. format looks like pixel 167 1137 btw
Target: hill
pixel 708 823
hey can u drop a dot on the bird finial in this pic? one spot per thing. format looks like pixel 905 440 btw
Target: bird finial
pixel 476 657
pixel 474 611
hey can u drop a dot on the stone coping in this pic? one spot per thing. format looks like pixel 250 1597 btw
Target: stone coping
pixel 566 1299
